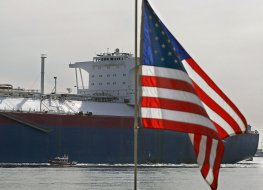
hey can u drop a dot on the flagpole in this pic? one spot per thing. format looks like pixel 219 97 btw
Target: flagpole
pixel 135 101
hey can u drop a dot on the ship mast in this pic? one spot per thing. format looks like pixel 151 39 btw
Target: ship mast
pixel 43 57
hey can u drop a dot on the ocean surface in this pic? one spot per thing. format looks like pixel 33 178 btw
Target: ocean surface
pixel 247 175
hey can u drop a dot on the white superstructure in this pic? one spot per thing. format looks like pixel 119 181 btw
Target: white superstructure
pixel 110 76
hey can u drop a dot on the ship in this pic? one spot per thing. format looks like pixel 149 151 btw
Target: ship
pixel 94 125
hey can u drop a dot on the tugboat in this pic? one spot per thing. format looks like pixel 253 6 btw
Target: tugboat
pixel 61 161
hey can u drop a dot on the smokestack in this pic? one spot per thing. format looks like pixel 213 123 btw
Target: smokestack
pixel 43 57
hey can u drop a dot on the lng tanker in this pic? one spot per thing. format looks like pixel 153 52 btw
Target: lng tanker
pixel 95 125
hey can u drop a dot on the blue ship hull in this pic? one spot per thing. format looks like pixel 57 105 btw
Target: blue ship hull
pixel 92 139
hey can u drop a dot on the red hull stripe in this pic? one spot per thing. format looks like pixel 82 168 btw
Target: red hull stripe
pixel 169 104
pixel 179 126
pixel 62 120
pixel 211 83
pixel 216 108
pixel 167 83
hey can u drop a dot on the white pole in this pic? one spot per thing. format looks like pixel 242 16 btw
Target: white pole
pixel 81 78
pixel 77 83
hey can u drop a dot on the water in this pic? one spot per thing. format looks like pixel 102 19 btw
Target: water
pixel 243 176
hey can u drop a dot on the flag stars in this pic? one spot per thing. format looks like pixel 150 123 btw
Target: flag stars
pixel 150 17
pixel 175 61
pixel 155 51
pixel 156 38
pixel 163 45
pixel 156 25
pixel 162 59
pixel 170 53
pixel 169 41
pixel 163 33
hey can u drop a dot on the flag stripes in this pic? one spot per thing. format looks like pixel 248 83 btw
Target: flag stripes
pixel 162 82
pixel 214 116
pixel 206 164
pixel 169 73
pixel 222 133
pixel 176 94
pixel 211 83
pixel 208 101
pixel 220 106
pixel 170 94
pixel 217 162
pixel 165 103
pixel 208 152
pixel 179 116
pixel 178 126
pixel 201 150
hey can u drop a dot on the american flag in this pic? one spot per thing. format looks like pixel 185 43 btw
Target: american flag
pixel 176 94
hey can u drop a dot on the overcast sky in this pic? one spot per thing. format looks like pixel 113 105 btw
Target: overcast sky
pixel 224 37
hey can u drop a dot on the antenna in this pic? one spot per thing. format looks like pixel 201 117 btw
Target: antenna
pixel 55 88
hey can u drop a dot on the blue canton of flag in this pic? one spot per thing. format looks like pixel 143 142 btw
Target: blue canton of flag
pixel 157 47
